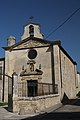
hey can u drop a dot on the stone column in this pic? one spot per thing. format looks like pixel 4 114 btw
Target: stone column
pixel 15 92
pixel 15 85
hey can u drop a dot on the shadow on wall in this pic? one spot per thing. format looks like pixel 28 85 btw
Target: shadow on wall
pixel 78 95
pixel 68 101
pixel 65 99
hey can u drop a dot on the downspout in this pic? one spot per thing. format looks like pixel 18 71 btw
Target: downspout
pixel 60 71
pixel 75 73
pixel 53 70
pixel 3 80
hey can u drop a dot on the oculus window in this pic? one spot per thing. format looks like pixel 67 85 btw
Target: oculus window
pixel 32 54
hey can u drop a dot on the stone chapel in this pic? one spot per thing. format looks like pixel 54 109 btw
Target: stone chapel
pixel 45 71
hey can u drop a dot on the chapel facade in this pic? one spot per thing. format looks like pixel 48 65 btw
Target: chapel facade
pixel 45 71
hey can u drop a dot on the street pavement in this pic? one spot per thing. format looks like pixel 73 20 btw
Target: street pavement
pixel 6 115
pixel 69 111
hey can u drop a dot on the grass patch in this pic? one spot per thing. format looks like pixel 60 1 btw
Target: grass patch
pixel 3 103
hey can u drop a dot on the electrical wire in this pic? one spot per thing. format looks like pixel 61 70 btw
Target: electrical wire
pixel 63 23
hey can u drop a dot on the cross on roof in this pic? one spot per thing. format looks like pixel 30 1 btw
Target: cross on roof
pixel 31 18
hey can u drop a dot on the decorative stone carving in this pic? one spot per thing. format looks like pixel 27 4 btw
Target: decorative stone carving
pixel 30 44
pixel 35 72
pixel 31 65
pixel 31 70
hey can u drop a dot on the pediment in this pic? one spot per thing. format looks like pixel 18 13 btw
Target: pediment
pixel 28 73
pixel 31 43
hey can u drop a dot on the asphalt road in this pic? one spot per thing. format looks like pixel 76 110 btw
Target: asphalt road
pixel 57 116
pixel 70 111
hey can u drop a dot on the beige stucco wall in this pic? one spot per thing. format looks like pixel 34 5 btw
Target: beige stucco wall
pixel 65 73
pixel 9 69
pixel 68 70
pixel 78 83
pixel 20 58
pixel 14 60
pixel 57 67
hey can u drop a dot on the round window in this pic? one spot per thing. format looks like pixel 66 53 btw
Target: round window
pixel 32 54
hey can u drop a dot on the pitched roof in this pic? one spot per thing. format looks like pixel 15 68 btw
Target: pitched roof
pixel 56 42
pixel 33 38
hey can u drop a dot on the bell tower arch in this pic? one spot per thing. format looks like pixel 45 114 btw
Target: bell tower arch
pixel 32 30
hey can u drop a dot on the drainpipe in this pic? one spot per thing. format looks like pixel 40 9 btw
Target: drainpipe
pixel 53 71
pixel 60 71
pixel 75 73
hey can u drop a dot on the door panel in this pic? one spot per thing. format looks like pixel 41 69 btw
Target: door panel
pixel 32 88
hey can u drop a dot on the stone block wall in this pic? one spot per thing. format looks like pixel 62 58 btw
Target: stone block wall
pixel 35 104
